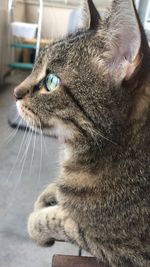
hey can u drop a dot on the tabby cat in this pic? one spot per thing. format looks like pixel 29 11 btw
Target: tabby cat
pixel 92 90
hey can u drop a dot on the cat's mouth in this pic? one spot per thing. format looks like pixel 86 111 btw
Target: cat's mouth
pixel 54 128
pixel 32 120
pixel 27 115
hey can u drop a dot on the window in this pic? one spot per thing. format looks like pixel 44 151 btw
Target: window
pixel 98 3
pixel 144 12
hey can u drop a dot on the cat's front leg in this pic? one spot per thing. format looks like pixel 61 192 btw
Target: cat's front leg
pixel 50 224
pixel 47 198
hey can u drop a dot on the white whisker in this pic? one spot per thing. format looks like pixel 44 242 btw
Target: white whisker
pixel 33 150
pixel 16 161
pixel 41 153
pixel 45 145
pixel 20 175
pixel 27 147
pixel 109 140
pixel 12 134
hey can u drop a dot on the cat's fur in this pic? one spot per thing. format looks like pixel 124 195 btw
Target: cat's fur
pixel 102 111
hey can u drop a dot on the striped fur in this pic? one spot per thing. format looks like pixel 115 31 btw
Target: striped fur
pixel 101 110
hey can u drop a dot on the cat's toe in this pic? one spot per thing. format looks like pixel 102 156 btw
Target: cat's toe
pixel 44 202
pixel 47 199
pixel 33 227
pixel 37 231
pixel 49 243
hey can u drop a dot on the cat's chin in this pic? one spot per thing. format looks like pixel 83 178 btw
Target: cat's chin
pixel 50 132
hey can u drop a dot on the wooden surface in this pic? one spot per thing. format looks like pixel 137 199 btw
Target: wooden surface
pixel 43 42
pixel 75 261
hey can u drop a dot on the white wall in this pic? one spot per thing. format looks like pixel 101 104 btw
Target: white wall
pixel 3 38
pixel 55 19
pixel 55 15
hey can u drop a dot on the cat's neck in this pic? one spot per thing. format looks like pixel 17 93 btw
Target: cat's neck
pixel 96 155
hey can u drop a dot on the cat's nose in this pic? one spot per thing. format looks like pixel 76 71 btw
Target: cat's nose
pixel 20 92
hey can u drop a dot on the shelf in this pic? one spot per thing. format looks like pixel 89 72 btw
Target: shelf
pixel 18 65
pixel 21 45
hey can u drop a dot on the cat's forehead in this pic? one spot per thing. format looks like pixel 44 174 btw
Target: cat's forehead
pixel 59 50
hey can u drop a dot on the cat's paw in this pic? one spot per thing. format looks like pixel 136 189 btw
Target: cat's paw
pixel 36 231
pixel 47 198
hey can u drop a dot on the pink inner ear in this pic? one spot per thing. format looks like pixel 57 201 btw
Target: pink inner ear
pixel 131 67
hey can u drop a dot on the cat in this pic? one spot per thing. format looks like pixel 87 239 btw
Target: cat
pixel 92 90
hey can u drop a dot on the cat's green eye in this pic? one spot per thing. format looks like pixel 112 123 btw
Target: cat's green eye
pixel 51 82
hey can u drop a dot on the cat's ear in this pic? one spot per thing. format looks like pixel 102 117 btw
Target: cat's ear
pixel 123 40
pixel 90 17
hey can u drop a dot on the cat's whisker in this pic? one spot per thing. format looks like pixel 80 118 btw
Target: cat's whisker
pixel 33 150
pixel 12 134
pixel 12 130
pixel 98 92
pixel 20 148
pixel 107 139
pixel 27 146
pixel 23 160
pixel 17 118
pixel 94 134
pixel 41 154
pixel 45 144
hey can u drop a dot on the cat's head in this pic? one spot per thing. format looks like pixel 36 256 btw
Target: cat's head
pixel 90 82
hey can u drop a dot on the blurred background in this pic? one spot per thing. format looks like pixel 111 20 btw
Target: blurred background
pixel 27 25
pixel 29 161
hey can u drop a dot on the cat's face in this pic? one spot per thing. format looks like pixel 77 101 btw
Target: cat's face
pixel 66 106
pixel 75 88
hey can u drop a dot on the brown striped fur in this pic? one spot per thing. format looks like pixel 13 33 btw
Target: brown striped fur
pixel 101 111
